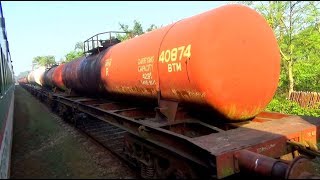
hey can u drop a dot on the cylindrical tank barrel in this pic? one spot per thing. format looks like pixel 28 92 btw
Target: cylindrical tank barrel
pixel 38 75
pixel 30 77
pixel 82 75
pixel 71 75
pixel 89 73
pixel 57 77
pixel 23 80
pixel 48 77
pixel 226 58
pixel 35 77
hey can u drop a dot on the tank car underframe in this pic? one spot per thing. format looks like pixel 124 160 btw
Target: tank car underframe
pixel 216 151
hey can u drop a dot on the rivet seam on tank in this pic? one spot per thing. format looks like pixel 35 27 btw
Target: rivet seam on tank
pixel 158 84
pixel 187 62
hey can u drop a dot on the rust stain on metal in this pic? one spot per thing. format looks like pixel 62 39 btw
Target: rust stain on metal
pixel 243 115
pixel 189 95
pixel 271 115
pixel 260 164
pixel 135 90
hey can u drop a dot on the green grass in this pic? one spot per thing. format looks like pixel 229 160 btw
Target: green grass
pixel 35 122
pixel 44 149
pixel 282 105
pixel 67 161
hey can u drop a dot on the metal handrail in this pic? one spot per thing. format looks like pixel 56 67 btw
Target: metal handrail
pixel 106 33
pixel 86 43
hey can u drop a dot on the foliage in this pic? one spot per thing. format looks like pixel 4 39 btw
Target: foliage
pixel 45 61
pixel 130 33
pixel 76 53
pixel 72 55
pixel 135 31
pixel 307 75
pixel 282 105
pixel 79 46
pixel 23 74
pixel 296 26
pixel 307 68
pixel 152 27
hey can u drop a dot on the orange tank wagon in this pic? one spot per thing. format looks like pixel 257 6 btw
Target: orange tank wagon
pixel 212 59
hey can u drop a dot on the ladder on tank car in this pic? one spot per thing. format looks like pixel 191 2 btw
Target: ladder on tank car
pixel 99 42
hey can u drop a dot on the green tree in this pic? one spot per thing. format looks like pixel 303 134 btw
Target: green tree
pixel 136 30
pixel 74 54
pixel 23 74
pixel 152 27
pixel 46 61
pixel 79 46
pixel 288 19
pixel 307 68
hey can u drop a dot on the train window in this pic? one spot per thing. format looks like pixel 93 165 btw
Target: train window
pixel 5 72
pixel 1 73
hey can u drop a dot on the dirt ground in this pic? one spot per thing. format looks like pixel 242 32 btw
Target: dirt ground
pixel 46 147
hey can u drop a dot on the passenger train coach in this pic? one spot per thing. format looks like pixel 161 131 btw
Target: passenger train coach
pixel 6 100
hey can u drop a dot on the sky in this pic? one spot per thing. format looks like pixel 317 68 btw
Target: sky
pixel 53 28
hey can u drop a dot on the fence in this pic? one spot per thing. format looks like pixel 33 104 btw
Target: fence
pixel 305 99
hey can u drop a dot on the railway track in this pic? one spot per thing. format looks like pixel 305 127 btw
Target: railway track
pixel 105 141
pixel 102 153
pixel 133 150
pixel 114 140
pixel 107 135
